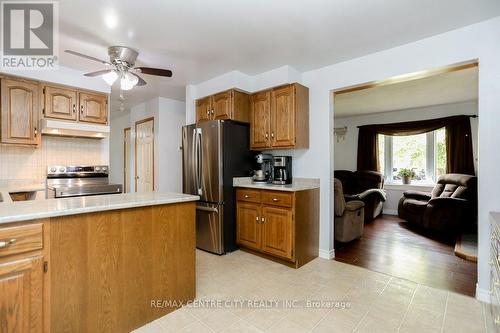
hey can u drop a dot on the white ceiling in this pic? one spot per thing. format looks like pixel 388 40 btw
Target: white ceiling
pixel 452 87
pixel 200 39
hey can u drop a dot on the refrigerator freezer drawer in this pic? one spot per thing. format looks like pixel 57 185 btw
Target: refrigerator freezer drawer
pixel 209 227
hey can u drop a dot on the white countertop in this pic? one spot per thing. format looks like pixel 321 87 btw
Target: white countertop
pixel 38 209
pixel 298 184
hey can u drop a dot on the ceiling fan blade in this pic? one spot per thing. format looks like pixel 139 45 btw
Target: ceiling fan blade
pixel 97 73
pixel 87 57
pixel 141 80
pixel 154 71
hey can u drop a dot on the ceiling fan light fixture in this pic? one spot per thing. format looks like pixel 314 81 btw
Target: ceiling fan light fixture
pixel 128 81
pixel 110 77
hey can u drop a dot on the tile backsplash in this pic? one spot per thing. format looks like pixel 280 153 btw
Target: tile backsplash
pixel 18 162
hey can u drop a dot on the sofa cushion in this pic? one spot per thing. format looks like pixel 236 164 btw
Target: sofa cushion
pixel 414 206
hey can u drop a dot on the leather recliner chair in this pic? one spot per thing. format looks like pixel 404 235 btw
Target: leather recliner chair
pixel 365 186
pixel 450 208
pixel 349 216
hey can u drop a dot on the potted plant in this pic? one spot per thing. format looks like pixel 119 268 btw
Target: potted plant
pixel 406 175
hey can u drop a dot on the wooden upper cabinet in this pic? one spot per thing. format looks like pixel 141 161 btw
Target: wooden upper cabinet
pixel 222 105
pixel 21 290
pixel 60 103
pixel 283 117
pixel 248 226
pixel 287 122
pixel 260 120
pixel 203 108
pixel 93 108
pixel 277 231
pixel 19 112
pixel 231 104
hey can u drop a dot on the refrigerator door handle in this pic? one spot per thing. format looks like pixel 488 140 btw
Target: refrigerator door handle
pixel 199 161
pixel 195 160
pixel 207 209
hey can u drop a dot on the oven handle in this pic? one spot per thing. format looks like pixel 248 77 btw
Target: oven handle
pixel 62 195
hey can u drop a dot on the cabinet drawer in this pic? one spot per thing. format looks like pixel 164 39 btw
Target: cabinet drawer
pixel 276 198
pixel 248 195
pixel 20 239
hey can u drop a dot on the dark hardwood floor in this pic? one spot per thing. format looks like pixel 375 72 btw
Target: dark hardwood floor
pixel 391 246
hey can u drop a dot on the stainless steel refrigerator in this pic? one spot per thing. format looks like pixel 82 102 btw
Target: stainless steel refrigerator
pixel 213 153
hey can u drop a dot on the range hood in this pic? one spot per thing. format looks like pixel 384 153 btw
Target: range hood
pixel 66 128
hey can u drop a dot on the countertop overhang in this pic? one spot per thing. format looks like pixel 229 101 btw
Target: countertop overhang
pixel 39 209
pixel 298 184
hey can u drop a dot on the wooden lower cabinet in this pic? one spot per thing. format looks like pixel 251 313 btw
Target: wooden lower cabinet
pixel 277 231
pixel 281 225
pixel 248 232
pixel 110 271
pixel 21 299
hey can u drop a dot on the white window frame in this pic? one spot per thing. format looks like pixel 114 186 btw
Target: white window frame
pixel 431 157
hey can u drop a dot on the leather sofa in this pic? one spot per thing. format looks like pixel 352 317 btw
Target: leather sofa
pixel 349 216
pixel 365 186
pixel 450 208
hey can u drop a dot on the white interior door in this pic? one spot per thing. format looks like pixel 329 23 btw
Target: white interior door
pixel 144 155
pixel 126 160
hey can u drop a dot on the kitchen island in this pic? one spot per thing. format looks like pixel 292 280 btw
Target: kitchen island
pixel 108 263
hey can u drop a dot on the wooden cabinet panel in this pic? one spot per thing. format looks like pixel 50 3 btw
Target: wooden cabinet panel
pixel 277 231
pixel 222 105
pixel 260 120
pixel 19 112
pixel 20 239
pixel 60 103
pixel 283 117
pixel 231 104
pixel 107 267
pixel 203 108
pixel 93 108
pixel 248 195
pixel 21 291
pixel 277 198
pixel 248 225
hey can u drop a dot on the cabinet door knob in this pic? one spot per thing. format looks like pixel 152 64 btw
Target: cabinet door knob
pixel 212 112
pixel 247 196
pixel 5 243
pixel 81 109
pixel 262 219
pixel 257 219
pixel 276 199
pixel 267 136
pixel 272 135
pixel 36 132
pixel 74 108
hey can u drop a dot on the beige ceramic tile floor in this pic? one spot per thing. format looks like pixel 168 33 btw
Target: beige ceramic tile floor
pixel 375 302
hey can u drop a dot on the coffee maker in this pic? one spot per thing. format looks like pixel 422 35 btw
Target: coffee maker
pixel 264 171
pixel 282 170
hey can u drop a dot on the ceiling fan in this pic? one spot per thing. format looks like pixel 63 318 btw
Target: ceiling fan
pixel 122 59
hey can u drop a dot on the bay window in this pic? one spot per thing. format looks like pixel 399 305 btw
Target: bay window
pixel 424 153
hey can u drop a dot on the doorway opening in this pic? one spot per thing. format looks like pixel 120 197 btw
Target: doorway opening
pixel 397 157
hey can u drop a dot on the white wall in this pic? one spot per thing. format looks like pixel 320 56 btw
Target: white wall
pixel 479 41
pixel 172 115
pixel 117 123
pixel 169 117
pixel 346 150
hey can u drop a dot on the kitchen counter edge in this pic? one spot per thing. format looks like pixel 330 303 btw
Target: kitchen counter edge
pixel 299 184
pixel 40 209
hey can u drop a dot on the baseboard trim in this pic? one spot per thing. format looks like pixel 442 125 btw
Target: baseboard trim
pixel 390 212
pixel 327 254
pixel 483 295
